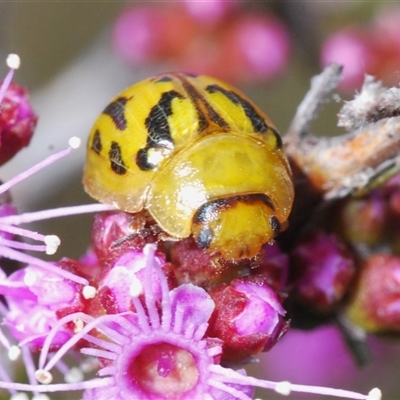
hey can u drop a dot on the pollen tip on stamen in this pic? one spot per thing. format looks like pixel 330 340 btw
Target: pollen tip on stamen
pixel 74 142
pixel 374 394
pixel 52 242
pixel 14 352
pixel 283 388
pixel 78 325
pixel 89 292
pixel 135 288
pixel 13 61
pixel 43 376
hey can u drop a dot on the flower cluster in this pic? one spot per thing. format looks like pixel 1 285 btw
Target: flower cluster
pixel 370 225
pixel 135 319
pixel 373 49
pixel 204 37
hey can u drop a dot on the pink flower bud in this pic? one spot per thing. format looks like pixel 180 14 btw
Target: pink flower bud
pixel 17 122
pixel 255 47
pixel 375 305
pixel 324 269
pixel 274 266
pixel 147 34
pixel 115 232
pixel 248 318
pixel 352 48
pixel 211 12
pixel 363 221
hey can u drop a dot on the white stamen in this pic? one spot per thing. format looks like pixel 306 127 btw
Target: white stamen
pixel 30 278
pixel 52 242
pixel 74 375
pixel 19 396
pixel 43 376
pixel 14 352
pixel 283 388
pixel 74 142
pixel 374 394
pixel 13 61
pixel 89 292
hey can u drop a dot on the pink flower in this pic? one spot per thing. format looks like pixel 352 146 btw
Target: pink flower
pixel 146 337
pixel 34 297
pixel 159 351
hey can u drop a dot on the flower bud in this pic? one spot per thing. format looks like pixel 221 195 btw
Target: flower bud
pixel 126 279
pixel 363 221
pixel 274 266
pixel 145 34
pixel 352 48
pixel 17 122
pixel 248 318
pixel 324 269
pixel 375 305
pixel 256 47
pixel 194 265
pixel 114 233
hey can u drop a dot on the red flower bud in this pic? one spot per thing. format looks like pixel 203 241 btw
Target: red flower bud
pixel 248 318
pixel 17 122
pixel 324 269
pixel 375 305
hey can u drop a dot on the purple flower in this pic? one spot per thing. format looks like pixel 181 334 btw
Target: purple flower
pixel 123 282
pixel 150 339
pixel 33 297
pixel 159 351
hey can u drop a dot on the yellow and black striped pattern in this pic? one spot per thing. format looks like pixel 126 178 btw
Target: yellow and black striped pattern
pixel 199 156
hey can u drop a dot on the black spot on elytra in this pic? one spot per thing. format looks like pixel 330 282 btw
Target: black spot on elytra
pixel 142 160
pixel 159 133
pixel 96 145
pixel 257 120
pixel 212 115
pixel 116 110
pixel 116 161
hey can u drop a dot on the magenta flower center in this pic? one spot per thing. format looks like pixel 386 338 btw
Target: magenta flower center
pixel 164 369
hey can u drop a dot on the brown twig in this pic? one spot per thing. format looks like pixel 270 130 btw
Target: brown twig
pixel 321 86
pixel 354 162
pixel 372 104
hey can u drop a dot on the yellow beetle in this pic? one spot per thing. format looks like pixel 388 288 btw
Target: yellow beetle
pixel 199 156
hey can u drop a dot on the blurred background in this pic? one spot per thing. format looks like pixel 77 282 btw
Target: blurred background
pixel 77 55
